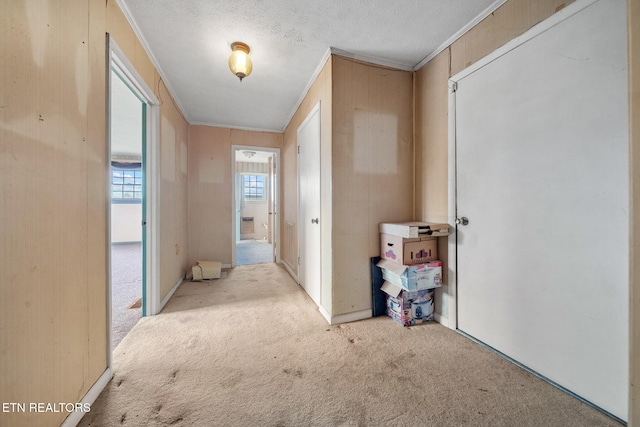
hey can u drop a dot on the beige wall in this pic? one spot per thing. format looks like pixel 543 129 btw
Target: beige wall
pixel 53 205
pixel 210 188
pixel 372 171
pixel 174 133
pixel 366 153
pixel 432 135
pixel 53 171
pixel 634 280
pixel 320 91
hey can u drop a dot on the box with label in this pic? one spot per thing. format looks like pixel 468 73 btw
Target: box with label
pixel 413 229
pixel 409 307
pixel 204 270
pixel 408 251
pixel 412 277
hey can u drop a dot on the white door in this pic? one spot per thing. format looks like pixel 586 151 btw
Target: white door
pixel 238 204
pixel 542 177
pixel 309 204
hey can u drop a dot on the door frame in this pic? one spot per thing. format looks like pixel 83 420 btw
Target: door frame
pixel 276 188
pixel 151 201
pixel 451 320
pixel 301 221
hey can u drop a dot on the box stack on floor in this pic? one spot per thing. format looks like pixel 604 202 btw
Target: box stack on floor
pixel 410 269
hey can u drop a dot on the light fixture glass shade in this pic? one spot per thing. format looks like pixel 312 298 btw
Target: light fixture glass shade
pixel 239 61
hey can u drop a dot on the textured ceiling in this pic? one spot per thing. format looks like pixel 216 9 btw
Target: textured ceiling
pixel 189 41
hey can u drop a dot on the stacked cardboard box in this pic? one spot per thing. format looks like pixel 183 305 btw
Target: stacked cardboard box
pixel 411 269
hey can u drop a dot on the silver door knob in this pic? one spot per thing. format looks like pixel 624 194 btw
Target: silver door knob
pixel 463 221
pixel 314 220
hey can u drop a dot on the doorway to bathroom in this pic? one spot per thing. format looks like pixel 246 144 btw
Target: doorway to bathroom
pixel 255 205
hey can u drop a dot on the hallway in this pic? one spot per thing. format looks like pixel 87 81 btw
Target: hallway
pixel 252 251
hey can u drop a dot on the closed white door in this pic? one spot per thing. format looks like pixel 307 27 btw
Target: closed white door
pixel 542 179
pixel 309 224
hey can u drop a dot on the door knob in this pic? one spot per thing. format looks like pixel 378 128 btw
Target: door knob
pixel 464 220
pixel 314 220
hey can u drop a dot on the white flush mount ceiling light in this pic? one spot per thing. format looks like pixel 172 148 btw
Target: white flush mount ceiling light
pixel 239 61
pixel 249 154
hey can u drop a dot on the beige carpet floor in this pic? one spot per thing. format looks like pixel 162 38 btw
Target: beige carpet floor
pixel 253 350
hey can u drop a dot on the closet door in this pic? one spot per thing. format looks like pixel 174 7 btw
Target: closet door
pixel 542 178
pixel 309 224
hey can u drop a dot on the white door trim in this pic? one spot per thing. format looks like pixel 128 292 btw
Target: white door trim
pixel 451 319
pixel 117 59
pixel 276 184
pixel 551 22
pixel 301 220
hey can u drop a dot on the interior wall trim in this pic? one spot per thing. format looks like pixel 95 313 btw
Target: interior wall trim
pixel 346 318
pixel 371 59
pixel 165 300
pixel 488 11
pixel 74 418
pixel 441 319
pixel 145 45
pixel 312 80
pixel 290 270
pixel 534 31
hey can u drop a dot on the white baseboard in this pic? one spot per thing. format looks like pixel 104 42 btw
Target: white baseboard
pixel 173 289
pixel 346 318
pixel 74 418
pixel 290 270
pixel 444 321
pixel 226 266
pixel 325 314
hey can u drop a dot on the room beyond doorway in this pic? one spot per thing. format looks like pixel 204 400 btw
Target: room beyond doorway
pixel 255 207
pixel 126 285
pixel 253 252
pixel 126 178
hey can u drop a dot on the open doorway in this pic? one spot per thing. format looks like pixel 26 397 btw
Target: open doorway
pixel 133 117
pixel 127 129
pixel 255 205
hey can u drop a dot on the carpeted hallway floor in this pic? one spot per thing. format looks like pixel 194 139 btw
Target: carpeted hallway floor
pixel 253 350
pixel 126 289
pixel 126 280
pixel 252 251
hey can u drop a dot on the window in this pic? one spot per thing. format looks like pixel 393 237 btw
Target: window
pixel 126 185
pixel 253 188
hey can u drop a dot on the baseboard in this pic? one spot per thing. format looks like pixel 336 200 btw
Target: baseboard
pixel 325 314
pixel 74 418
pixel 349 317
pixel 444 321
pixel 165 300
pixel 226 266
pixel 290 270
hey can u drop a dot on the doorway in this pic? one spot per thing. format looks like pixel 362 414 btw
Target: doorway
pixel 126 176
pixel 540 134
pixel 309 224
pixel 139 181
pixel 255 207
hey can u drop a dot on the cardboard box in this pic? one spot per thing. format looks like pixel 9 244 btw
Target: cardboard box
pixel 414 229
pixel 412 277
pixel 409 307
pixel 204 270
pixel 408 251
